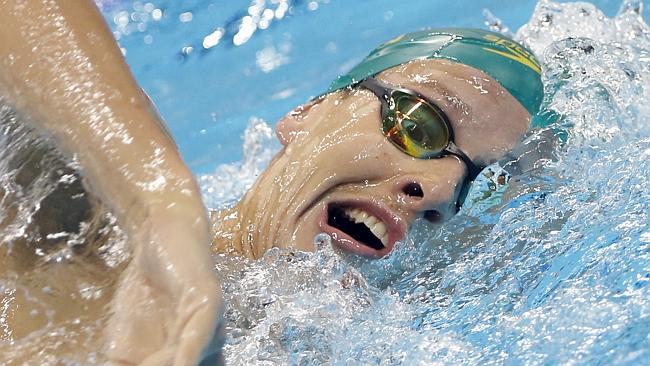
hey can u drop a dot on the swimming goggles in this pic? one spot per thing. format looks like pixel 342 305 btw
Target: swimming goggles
pixel 418 127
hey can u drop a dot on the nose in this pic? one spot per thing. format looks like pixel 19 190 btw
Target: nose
pixel 433 200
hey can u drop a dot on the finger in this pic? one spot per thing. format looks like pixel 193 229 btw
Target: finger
pixel 200 312
pixel 140 314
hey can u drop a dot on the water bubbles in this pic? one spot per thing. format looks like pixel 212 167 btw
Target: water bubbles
pixel 187 50
pixel 185 17
pixel 322 240
pixel 270 58
pixel 121 19
pixel 555 254
pixel 246 30
pixel 281 10
pixel 258 16
pixel 494 23
pixel 631 6
pixel 213 38
pixel 156 14
pixel 90 292
pixel 645 237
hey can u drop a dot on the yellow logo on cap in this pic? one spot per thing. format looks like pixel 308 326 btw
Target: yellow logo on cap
pixel 392 41
pixel 515 52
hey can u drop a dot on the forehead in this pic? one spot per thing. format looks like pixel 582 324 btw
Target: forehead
pixel 487 120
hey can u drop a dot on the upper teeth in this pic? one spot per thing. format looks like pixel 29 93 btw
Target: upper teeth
pixel 374 224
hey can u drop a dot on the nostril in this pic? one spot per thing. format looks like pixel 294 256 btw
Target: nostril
pixel 432 216
pixel 413 190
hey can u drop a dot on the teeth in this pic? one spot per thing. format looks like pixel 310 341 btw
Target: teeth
pixel 374 224
pixel 357 215
pixel 380 231
pixel 370 221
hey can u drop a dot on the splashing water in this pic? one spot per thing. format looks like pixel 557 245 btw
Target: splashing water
pixel 59 249
pixel 555 269
pixel 229 182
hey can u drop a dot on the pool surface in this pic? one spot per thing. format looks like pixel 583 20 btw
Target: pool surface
pixel 552 269
pixel 210 66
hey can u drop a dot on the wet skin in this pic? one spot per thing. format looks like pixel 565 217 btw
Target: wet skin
pixel 63 70
pixel 336 157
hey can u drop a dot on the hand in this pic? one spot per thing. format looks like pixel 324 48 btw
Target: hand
pixel 167 305
pixel 63 69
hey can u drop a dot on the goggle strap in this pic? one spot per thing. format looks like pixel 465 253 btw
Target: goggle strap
pixel 472 170
pixel 464 191
pixel 376 87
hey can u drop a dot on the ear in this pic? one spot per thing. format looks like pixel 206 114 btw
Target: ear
pixel 294 122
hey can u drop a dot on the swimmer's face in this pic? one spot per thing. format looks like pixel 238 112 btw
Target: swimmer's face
pixel 340 175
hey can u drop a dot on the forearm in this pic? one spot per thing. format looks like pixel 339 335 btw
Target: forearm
pixel 62 68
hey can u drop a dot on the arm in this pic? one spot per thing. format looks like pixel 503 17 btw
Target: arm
pixel 60 65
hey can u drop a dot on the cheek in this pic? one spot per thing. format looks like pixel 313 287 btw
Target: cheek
pixel 355 134
pixel 359 149
pixel 359 157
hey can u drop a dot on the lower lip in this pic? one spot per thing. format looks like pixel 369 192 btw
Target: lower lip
pixel 347 243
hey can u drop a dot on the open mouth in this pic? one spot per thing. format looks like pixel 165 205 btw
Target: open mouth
pixel 360 225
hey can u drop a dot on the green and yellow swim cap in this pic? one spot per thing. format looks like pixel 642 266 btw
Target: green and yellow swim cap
pixel 506 61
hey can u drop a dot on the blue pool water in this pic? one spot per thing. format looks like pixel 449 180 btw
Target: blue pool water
pixel 555 269
pixel 207 95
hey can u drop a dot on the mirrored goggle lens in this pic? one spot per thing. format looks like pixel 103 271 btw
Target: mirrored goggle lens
pixel 415 127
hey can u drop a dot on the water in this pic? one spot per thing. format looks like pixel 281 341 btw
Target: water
pixel 553 268
pixel 60 249
pixel 207 95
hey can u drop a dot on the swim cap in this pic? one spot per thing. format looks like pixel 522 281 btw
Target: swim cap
pixel 506 61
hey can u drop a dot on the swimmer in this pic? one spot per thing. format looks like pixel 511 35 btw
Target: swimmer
pixel 400 137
